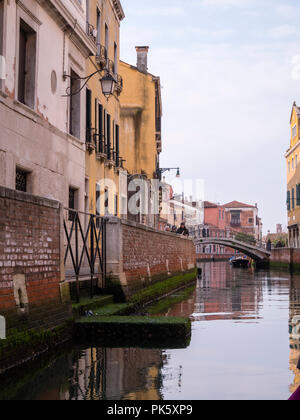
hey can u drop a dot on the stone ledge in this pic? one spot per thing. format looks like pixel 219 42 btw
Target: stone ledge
pixel 150 229
pixel 28 198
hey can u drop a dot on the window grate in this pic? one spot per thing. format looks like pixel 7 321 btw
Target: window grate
pixel 72 196
pixel 21 180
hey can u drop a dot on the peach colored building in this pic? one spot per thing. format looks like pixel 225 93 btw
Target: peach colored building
pixel 243 218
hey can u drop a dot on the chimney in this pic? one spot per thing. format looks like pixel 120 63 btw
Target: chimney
pixel 142 59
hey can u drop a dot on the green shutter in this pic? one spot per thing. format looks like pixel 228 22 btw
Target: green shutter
pixel 108 122
pixel 293 198
pixel 117 145
pixel 298 194
pixel 288 202
pixel 88 116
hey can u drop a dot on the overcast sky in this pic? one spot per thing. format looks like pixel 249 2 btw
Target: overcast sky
pixel 229 72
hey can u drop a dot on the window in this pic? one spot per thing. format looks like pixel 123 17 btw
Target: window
pixel 27 65
pixel 88 116
pixel 288 201
pixel 115 58
pixel 293 163
pixel 106 40
pixel 106 201
pixel 251 221
pixel 298 194
pixel 289 167
pixel 21 180
pixel 117 145
pixel 116 205
pixel 101 148
pixel 236 218
pixel 105 127
pixel 294 131
pixel 108 124
pixel 293 198
pixel 87 16
pixel 74 128
pixel 296 161
pixel 98 206
pixel 1 26
pixel 72 202
pixel 98 32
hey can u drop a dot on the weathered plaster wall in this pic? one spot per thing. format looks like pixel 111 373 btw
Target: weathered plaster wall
pixel 36 139
pixel 30 261
pixel 138 121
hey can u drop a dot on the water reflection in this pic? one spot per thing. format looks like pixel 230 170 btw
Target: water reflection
pixel 295 331
pixel 245 345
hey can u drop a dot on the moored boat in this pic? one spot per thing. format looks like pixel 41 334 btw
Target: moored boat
pixel 239 262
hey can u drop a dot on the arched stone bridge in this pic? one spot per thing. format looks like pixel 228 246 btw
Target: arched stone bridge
pixel 256 253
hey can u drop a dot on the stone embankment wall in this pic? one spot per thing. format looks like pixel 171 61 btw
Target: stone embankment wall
pixel 138 255
pixel 30 261
pixel 285 258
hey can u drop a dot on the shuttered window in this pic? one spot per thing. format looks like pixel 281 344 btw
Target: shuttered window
pixel 108 137
pixel 293 198
pixel 88 116
pixel 298 194
pixel 101 129
pixel 288 200
pixel 105 127
pixel 117 145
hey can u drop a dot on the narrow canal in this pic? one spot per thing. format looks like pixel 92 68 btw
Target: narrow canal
pixel 243 347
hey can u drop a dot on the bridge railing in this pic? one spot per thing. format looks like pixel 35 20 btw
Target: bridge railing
pixel 207 233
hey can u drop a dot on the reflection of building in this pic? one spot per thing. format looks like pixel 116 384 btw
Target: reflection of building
pixel 295 331
pixel 293 179
pixel 114 374
pixel 223 296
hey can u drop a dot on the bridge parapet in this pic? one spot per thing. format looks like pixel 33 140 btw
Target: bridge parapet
pixel 259 254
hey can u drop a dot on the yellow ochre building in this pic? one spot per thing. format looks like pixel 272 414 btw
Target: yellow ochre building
pixel 141 112
pixel 103 116
pixel 123 133
pixel 293 179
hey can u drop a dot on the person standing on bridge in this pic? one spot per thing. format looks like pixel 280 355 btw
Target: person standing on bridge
pixel 183 230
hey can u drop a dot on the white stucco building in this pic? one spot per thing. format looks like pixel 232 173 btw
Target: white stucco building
pixel 42 132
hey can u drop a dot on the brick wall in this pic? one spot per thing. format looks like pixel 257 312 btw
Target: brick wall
pixel 30 261
pixel 147 250
pixel 138 255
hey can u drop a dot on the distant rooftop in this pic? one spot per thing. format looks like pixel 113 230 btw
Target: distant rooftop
pixel 237 205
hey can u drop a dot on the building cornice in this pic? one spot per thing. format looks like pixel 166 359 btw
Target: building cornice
pixel 119 9
pixel 290 151
pixel 68 23
pixel 241 209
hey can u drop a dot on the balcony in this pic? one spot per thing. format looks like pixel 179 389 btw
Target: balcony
pixel 90 140
pixel 101 57
pixel 91 32
pixel 235 224
pixel 119 84
pixel 101 150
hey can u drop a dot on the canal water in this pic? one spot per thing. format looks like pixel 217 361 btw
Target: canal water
pixel 245 345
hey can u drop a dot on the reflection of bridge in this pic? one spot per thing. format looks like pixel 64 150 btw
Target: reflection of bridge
pixel 256 253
